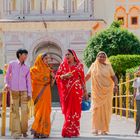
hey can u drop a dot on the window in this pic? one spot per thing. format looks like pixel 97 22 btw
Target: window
pixel 134 20
pixel 80 5
pixel 121 19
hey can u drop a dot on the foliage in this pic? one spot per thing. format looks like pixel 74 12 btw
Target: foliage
pixel 121 63
pixel 132 70
pixel 114 40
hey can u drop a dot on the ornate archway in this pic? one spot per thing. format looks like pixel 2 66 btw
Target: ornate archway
pixel 55 53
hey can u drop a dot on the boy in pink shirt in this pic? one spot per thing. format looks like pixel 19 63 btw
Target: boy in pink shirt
pixel 18 82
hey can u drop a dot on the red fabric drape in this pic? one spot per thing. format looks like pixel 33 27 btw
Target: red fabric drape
pixel 70 92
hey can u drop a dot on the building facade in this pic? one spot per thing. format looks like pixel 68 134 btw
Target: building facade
pixel 53 26
pixel 128 11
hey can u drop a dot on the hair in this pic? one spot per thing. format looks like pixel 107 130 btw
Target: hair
pixel 21 51
pixel 69 50
pixel 44 55
pixel 101 52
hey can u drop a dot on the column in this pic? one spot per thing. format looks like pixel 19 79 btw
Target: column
pixel 69 6
pixel 32 4
pixel 65 6
pixel 86 5
pixel 28 6
pixel 45 5
pixel 13 5
pixel 91 6
pixel 53 7
pixel 41 6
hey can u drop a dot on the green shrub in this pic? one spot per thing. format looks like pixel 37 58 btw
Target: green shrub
pixel 132 70
pixel 121 63
pixel 114 40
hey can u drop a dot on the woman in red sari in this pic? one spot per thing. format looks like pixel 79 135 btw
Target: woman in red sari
pixel 71 86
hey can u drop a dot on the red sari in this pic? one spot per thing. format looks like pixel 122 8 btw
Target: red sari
pixel 71 92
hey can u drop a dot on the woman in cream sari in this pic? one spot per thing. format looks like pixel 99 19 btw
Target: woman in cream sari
pixel 103 82
pixel 41 81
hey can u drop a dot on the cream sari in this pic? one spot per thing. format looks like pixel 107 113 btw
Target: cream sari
pixel 102 92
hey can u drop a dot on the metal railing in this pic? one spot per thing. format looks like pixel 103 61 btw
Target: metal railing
pixel 123 102
pixel 4 112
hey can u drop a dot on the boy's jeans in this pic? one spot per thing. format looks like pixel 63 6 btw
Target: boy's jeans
pixel 19 123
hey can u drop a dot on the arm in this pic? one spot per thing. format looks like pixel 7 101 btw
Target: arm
pixel 134 94
pixel 29 87
pixel 82 77
pixel 135 88
pixel 7 77
pixel 115 80
pixel 88 75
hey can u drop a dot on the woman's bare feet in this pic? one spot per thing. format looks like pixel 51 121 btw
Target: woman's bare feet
pixel 136 132
pixel 104 133
pixel 95 132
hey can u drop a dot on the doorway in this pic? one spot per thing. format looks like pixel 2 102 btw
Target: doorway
pixel 55 54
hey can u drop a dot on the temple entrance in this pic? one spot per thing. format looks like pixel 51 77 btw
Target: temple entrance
pixel 55 54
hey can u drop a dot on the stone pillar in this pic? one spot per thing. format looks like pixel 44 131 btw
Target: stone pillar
pixel 14 5
pixel 91 7
pixel 69 6
pixel 65 6
pixel 86 5
pixel 1 57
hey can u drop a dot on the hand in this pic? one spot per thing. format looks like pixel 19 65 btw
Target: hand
pixel 6 88
pixel 134 96
pixel 52 75
pixel 69 74
pixel 116 89
pixel 28 98
pixel 85 95
pixel 52 82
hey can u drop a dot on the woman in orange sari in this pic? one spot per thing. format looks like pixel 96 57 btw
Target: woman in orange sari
pixel 41 94
pixel 103 82
pixel 71 86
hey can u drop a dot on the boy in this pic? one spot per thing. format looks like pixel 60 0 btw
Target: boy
pixel 18 82
pixel 136 86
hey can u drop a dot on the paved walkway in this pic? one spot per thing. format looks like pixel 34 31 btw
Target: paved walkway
pixel 120 128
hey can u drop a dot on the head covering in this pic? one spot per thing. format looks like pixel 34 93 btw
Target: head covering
pixel 75 56
pixel 138 72
pixel 61 84
pixel 65 62
pixel 40 71
pixel 102 52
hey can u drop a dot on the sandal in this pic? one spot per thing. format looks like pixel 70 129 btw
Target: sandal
pixel 104 133
pixel 44 137
pixel 95 132
pixel 25 135
pixel 136 132
pixel 35 136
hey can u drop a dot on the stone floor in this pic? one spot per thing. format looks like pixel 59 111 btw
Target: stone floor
pixel 120 128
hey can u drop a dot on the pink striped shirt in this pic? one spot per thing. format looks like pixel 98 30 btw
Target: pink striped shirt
pixel 18 77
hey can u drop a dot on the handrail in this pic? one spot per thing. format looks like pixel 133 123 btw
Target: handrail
pixel 3 119
pixel 123 102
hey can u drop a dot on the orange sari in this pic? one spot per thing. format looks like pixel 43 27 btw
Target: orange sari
pixel 102 92
pixel 40 75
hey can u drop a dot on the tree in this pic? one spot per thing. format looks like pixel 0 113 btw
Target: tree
pixel 114 40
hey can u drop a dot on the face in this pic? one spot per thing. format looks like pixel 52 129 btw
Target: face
pixel 46 59
pixel 102 58
pixel 69 56
pixel 23 57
